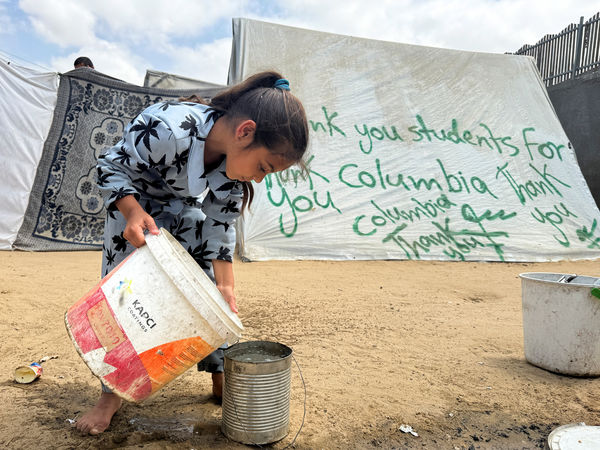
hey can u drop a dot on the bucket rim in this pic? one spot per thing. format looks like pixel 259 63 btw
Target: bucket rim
pixel 531 276
pixel 229 352
pixel 570 432
pixel 217 303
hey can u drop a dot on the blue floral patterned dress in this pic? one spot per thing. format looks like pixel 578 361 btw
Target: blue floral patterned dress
pixel 160 161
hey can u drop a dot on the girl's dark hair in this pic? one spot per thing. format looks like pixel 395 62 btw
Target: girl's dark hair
pixel 281 124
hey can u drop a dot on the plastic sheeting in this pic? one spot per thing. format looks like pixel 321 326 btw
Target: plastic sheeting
pixel 416 153
pixel 163 80
pixel 27 102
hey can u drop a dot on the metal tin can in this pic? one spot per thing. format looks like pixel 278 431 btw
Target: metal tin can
pixel 256 394
pixel 27 374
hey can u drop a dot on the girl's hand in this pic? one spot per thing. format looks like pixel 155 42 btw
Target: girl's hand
pixel 229 296
pixel 137 219
pixel 224 278
pixel 136 225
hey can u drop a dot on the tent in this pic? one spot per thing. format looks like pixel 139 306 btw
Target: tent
pixel 415 153
pixel 27 104
pixel 164 80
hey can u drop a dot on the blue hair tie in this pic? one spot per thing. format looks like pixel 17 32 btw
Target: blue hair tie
pixel 282 84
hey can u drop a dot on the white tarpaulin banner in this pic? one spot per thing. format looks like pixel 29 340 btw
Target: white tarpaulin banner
pixel 27 101
pixel 416 153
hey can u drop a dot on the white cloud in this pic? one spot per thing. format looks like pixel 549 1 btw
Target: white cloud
pixel 112 32
pixel 153 22
pixel 206 62
pixel 62 22
pixel 124 37
pixel 478 25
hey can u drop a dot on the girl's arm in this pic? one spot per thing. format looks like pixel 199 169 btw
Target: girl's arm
pixel 224 278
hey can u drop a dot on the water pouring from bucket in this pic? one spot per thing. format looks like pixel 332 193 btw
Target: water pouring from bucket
pixel 150 319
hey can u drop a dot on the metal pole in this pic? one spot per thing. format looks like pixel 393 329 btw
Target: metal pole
pixel 578 48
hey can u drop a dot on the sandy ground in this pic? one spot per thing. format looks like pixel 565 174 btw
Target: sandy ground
pixel 437 346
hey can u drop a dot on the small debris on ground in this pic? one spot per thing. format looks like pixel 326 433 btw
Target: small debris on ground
pixel 408 429
pixel 47 358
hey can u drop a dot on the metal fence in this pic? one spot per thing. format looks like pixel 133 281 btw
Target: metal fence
pixel 570 53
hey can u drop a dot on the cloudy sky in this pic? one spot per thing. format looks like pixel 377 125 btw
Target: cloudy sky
pixel 193 37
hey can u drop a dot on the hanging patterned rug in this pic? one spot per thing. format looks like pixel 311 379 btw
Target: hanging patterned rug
pixel 65 210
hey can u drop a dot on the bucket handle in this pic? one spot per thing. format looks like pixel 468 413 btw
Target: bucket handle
pixel 567 278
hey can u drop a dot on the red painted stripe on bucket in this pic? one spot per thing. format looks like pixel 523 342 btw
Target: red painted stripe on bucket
pixel 79 324
pixel 130 379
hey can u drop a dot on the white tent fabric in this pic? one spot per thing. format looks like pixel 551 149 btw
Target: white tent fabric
pixel 27 101
pixel 416 153
pixel 164 80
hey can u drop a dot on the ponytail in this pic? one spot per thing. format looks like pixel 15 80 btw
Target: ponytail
pixel 281 124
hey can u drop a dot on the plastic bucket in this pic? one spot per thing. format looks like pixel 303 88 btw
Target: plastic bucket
pixel 561 322
pixel 256 393
pixel 150 319
pixel 574 436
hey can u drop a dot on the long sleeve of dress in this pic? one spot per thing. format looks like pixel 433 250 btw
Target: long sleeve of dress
pixel 160 161
pixel 138 162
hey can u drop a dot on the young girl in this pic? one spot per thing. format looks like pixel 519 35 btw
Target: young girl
pixel 172 153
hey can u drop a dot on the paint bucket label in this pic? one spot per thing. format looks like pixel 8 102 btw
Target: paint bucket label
pixel 28 374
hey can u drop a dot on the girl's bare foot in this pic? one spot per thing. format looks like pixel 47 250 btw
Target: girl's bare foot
pixel 97 419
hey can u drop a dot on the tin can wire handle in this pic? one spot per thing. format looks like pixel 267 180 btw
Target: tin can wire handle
pixel 304 413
